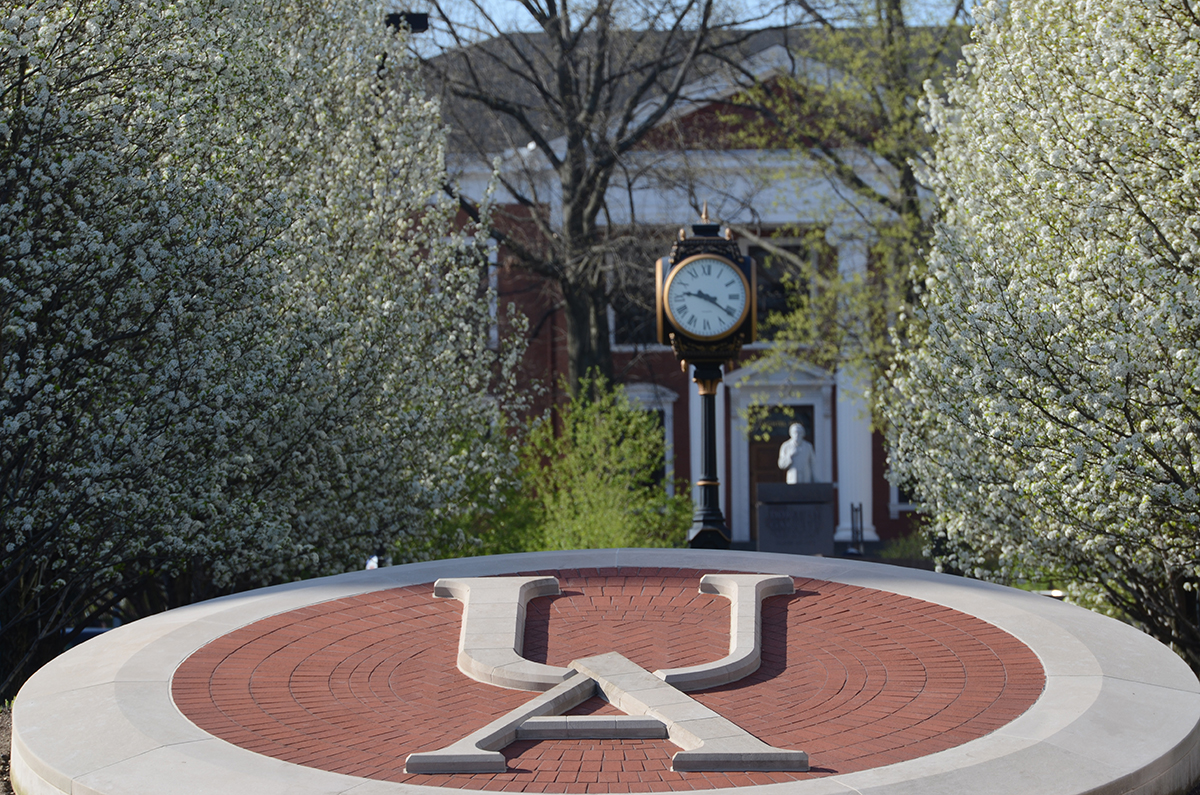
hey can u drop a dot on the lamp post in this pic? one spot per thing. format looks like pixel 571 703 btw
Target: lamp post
pixel 706 308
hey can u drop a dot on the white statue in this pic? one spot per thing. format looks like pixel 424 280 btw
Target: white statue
pixel 797 457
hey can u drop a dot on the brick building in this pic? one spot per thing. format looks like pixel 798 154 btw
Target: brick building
pixel 779 194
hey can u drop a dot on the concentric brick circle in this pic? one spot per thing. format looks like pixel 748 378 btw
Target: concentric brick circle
pixel 857 678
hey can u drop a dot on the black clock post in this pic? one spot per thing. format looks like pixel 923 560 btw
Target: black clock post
pixel 706 310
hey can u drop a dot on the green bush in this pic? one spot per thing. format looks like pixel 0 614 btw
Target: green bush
pixel 589 477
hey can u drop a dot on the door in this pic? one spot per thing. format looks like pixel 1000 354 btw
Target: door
pixel 768 430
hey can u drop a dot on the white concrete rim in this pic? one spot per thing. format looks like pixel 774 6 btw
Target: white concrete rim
pixel 1120 712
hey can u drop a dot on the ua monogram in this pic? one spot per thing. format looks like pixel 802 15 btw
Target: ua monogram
pixel 655 704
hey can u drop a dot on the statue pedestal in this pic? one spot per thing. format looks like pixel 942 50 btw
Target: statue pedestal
pixel 796 518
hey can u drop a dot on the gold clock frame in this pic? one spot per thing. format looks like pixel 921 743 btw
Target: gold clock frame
pixel 663 287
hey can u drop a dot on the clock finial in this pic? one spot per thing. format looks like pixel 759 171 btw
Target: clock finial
pixel 706 228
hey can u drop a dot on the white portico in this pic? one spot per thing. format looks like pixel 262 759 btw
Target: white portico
pixel 838 423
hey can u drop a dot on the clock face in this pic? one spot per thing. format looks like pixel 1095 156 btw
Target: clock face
pixel 706 296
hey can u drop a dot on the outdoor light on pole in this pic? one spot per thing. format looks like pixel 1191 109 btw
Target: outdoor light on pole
pixel 706 307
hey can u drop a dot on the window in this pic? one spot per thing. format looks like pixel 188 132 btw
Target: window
pixel 660 400
pixel 632 318
pixel 782 279
pixel 493 276
pixel 492 286
pixel 901 502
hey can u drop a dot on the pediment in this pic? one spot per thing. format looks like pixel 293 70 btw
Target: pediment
pixel 777 372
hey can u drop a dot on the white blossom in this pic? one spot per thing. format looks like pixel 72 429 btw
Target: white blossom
pixel 1049 413
pixel 239 336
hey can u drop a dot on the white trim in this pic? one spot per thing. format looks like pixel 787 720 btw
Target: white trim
pixel 782 187
pixel 855 454
pixel 629 347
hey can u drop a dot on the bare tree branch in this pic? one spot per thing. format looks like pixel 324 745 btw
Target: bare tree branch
pixel 585 89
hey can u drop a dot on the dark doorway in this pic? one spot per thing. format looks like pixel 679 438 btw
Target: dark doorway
pixel 768 430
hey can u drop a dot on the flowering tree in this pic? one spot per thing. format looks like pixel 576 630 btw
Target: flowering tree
pixel 239 341
pixel 851 113
pixel 1049 416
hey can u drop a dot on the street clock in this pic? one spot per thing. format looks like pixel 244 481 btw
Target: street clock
pixel 705 298
pixel 706 309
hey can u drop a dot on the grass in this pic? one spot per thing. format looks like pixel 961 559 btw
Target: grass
pixel 909 547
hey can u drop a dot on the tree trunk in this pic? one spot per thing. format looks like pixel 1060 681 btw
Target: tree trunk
pixel 587 334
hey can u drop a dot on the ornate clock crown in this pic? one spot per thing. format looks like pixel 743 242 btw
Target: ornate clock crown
pixel 706 239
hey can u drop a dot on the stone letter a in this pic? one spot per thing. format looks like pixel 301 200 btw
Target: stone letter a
pixel 654 704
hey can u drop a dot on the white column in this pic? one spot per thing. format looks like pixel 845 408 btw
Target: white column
pixel 853 423
pixel 739 466
pixel 854 458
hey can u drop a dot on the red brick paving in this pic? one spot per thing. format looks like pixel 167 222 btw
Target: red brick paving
pixel 857 678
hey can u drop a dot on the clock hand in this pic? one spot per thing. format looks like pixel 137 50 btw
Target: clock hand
pixel 711 300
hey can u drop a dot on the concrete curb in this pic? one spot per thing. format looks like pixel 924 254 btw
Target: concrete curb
pixel 1120 712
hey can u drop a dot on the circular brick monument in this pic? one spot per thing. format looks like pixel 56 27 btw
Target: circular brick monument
pixel 616 671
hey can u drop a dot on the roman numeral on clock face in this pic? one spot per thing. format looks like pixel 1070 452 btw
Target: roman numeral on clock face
pixel 706 296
